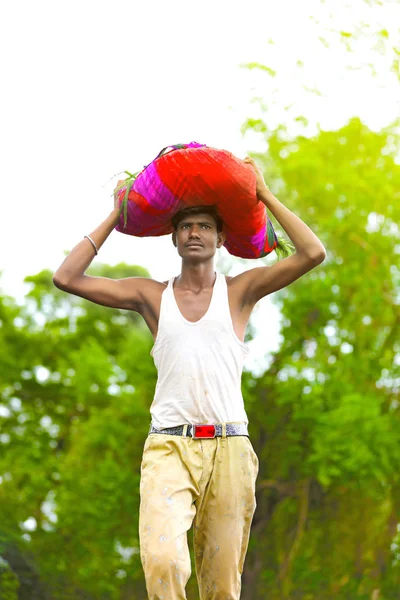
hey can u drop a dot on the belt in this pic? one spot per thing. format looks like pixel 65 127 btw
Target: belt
pixel 204 430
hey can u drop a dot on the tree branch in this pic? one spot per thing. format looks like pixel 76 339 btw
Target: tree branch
pixel 284 571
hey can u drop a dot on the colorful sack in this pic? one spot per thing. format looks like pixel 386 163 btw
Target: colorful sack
pixel 197 175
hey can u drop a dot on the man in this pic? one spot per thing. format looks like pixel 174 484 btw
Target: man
pixel 199 466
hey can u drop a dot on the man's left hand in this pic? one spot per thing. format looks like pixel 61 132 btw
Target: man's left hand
pixel 261 186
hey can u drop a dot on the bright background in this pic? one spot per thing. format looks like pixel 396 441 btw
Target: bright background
pixel 90 89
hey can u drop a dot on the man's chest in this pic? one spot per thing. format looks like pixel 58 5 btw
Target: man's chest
pixel 193 306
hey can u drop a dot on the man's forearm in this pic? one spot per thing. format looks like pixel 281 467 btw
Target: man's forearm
pixel 80 257
pixel 304 240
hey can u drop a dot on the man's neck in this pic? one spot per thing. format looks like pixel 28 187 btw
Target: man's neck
pixel 196 277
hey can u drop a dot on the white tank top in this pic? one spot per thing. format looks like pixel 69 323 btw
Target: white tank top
pixel 199 364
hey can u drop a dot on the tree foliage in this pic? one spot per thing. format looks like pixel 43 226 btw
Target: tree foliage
pixel 325 415
pixel 77 382
pixel 76 385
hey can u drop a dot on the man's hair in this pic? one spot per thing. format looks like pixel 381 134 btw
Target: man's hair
pixel 197 210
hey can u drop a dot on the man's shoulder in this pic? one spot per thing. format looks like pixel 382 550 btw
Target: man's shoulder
pixel 144 285
pixel 233 279
pixel 238 288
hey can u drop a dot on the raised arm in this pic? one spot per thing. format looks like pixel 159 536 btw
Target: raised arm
pixel 310 252
pixel 70 276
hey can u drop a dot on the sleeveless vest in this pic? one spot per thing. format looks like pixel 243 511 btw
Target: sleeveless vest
pixel 199 364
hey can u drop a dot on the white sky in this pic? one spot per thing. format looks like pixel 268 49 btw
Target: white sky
pixel 92 88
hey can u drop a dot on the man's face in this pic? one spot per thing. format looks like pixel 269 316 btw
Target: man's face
pixel 196 237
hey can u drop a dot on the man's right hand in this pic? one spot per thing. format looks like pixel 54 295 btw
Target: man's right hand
pixel 116 203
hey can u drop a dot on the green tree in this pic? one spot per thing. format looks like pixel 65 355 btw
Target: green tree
pixel 76 386
pixel 325 417
pixel 77 382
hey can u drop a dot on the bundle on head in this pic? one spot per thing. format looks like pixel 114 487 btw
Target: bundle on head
pixel 194 174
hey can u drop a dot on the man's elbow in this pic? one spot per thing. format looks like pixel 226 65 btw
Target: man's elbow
pixel 57 281
pixel 319 257
pixel 61 282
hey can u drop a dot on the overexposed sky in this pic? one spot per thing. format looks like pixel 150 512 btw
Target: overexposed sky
pixel 92 88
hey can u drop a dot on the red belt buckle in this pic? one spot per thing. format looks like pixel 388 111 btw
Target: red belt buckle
pixel 203 431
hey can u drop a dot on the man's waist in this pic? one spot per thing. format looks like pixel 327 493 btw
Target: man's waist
pixel 203 430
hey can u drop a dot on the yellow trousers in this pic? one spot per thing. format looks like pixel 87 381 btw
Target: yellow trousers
pixel 209 483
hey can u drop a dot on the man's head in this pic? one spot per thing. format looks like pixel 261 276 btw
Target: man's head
pixel 198 232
